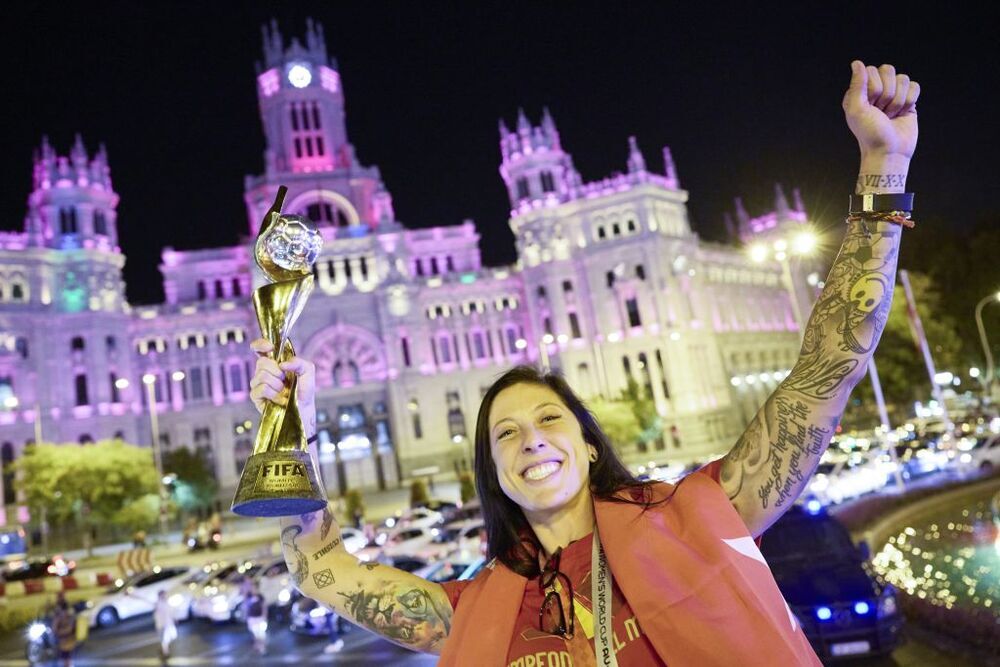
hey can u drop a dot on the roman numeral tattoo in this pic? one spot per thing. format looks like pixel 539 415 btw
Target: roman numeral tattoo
pixel 869 182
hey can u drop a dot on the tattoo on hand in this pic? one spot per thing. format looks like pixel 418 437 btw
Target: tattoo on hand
pixel 301 569
pixel 323 578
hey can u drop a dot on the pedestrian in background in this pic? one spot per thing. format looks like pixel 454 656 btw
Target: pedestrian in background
pixel 257 619
pixel 166 628
pixel 64 628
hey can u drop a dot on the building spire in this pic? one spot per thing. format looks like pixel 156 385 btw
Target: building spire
pixel 797 200
pixel 780 201
pixel 669 169
pixel 742 218
pixel 636 162
pixel 523 126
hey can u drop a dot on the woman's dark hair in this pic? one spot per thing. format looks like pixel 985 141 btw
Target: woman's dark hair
pixel 509 536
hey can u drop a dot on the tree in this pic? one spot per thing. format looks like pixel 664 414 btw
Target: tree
pixel 900 363
pixel 88 484
pixel 418 493
pixel 629 420
pixel 195 487
pixel 466 487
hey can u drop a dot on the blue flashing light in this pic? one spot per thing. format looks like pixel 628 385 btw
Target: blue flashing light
pixel 824 613
pixel 861 608
pixel 814 506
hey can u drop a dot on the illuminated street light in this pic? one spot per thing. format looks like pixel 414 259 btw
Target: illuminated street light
pixel 804 243
pixel 548 339
pixel 177 376
pixel 758 252
pixel 520 343
pixel 148 379
pixel 121 383
pixel 973 372
pixel 562 338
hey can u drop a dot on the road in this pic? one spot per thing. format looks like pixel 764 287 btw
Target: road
pixel 134 643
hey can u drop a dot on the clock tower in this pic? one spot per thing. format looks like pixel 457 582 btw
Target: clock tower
pixel 302 112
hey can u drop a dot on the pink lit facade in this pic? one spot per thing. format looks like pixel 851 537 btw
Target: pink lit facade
pixel 406 326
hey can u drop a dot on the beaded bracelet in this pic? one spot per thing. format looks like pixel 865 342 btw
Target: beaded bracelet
pixel 897 217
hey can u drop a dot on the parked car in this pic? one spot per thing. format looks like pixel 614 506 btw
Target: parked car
pixel 843 609
pixel 133 596
pixel 275 585
pixel 36 568
pixel 218 600
pixel 449 568
pixel 181 597
pixel 407 541
pixel 354 539
pixel 457 536
pixel 920 456
pixel 981 455
pixel 418 517
pixel 843 477
pixel 308 617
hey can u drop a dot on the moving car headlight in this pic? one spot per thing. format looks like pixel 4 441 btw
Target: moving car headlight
pixel 317 612
pixel 284 596
pixel 176 600
pixel 887 604
pixel 36 631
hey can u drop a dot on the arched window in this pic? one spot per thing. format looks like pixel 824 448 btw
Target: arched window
pixel 326 214
pixel 77 344
pixel 100 223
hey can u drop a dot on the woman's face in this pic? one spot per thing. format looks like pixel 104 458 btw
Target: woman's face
pixel 537 446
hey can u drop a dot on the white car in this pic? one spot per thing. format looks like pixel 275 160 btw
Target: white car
pixel 275 585
pixel 419 517
pixel 354 539
pixel 133 596
pixel 982 455
pixel 219 600
pixel 182 595
pixel 449 568
pixel 457 536
pixel 850 477
pixel 406 541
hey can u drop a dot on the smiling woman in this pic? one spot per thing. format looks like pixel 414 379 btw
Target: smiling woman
pixel 590 565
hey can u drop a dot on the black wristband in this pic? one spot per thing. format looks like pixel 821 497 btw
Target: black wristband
pixel 881 203
pixel 312 439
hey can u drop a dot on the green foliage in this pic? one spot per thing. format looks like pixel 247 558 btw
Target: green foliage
pixel 900 364
pixel 196 486
pixel 353 504
pixel 418 493
pixel 141 514
pixel 466 486
pixel 91 483
pixel 630 419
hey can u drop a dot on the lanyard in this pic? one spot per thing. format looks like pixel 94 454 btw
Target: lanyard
pixel 601 587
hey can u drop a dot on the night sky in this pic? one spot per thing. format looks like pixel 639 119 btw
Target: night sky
pixel 745 98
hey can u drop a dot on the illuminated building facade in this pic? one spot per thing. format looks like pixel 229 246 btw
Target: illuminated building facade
pixel 406 326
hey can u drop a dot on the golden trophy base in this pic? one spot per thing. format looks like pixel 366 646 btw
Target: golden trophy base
pixel 279 483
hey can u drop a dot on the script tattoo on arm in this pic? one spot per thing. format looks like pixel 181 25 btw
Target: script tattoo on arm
pixel 769 465
pixel 409 616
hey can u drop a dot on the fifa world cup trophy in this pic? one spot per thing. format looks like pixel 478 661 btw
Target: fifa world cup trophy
pixel 280 477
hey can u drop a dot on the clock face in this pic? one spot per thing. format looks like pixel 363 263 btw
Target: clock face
pixel 299 76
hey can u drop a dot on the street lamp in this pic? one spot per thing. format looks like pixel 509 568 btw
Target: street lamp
pixel 802 244
pixel 988 382
pixel 150 381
